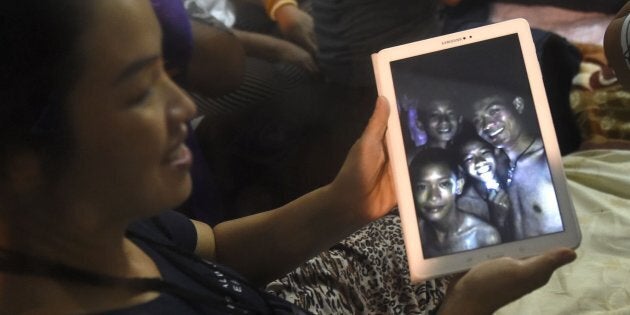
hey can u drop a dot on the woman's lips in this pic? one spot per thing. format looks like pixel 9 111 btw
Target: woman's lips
pixel 180 157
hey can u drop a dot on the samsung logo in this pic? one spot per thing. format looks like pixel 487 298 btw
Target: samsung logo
pixel 450 41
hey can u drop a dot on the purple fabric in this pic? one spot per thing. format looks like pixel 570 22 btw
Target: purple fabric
pixel 177 41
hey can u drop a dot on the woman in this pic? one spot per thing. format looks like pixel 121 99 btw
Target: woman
pixel 91 153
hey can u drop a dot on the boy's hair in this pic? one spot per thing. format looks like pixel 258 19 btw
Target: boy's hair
pixel 434 156
pixel 468 134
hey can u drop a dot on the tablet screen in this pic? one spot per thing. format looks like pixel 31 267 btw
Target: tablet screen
pixel 472 147
pixel 477 164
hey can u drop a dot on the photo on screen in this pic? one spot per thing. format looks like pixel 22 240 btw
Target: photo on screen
pixel 477 163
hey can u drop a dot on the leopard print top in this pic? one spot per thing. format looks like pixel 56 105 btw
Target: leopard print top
pixel 366 273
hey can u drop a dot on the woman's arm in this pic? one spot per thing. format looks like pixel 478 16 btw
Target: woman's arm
pixel 267 245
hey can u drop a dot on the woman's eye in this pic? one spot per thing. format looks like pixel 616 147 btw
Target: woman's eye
pixel 146 85
pixel 142 97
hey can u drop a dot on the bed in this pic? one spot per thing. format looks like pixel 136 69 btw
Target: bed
pixel 358 276
pixel 598 281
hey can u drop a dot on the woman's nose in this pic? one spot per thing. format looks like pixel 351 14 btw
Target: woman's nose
pixel 180 106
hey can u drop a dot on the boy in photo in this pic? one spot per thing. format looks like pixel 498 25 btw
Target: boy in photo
pixel 437 182
pixel 497 119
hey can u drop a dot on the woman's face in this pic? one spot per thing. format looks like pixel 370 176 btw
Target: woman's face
pixel 478 160
pixel 442 122
pixel 127 117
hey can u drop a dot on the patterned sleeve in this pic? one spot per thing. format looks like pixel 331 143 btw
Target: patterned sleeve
pixel 366 273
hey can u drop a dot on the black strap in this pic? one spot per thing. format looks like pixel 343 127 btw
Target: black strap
pixel 275 305
pixel 14 262
pixel 226 301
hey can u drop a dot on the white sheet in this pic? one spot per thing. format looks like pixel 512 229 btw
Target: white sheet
pixel 598 282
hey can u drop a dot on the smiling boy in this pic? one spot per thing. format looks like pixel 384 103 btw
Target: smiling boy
pixel 437 183
pixel 530 188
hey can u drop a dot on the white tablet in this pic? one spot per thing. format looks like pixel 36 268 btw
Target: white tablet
pixel 477 168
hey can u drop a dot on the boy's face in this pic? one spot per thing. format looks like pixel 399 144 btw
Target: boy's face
pixel 495 122
pixel 478 160
pixel 435 191
pixel 443 121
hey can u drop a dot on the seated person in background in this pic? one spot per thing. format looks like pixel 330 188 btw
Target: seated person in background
pixel 264 46
pixel 497 120
pixel 92 139
pixel 483 168
pixel 436 184
pixel 348 31
pixel 193 51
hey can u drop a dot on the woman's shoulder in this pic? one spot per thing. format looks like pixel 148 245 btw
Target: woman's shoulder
pixel 169 226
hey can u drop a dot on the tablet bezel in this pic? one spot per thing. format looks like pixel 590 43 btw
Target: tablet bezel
pixel 422 269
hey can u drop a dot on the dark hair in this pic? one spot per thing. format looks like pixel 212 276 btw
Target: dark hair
pixel 506 99
pixel 40 63
pixel 434 156
pixel 467 134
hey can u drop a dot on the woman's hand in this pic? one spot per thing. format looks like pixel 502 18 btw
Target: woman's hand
pixel 493 284
pixel 297 26
pixel 279 240
pixel 364 184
